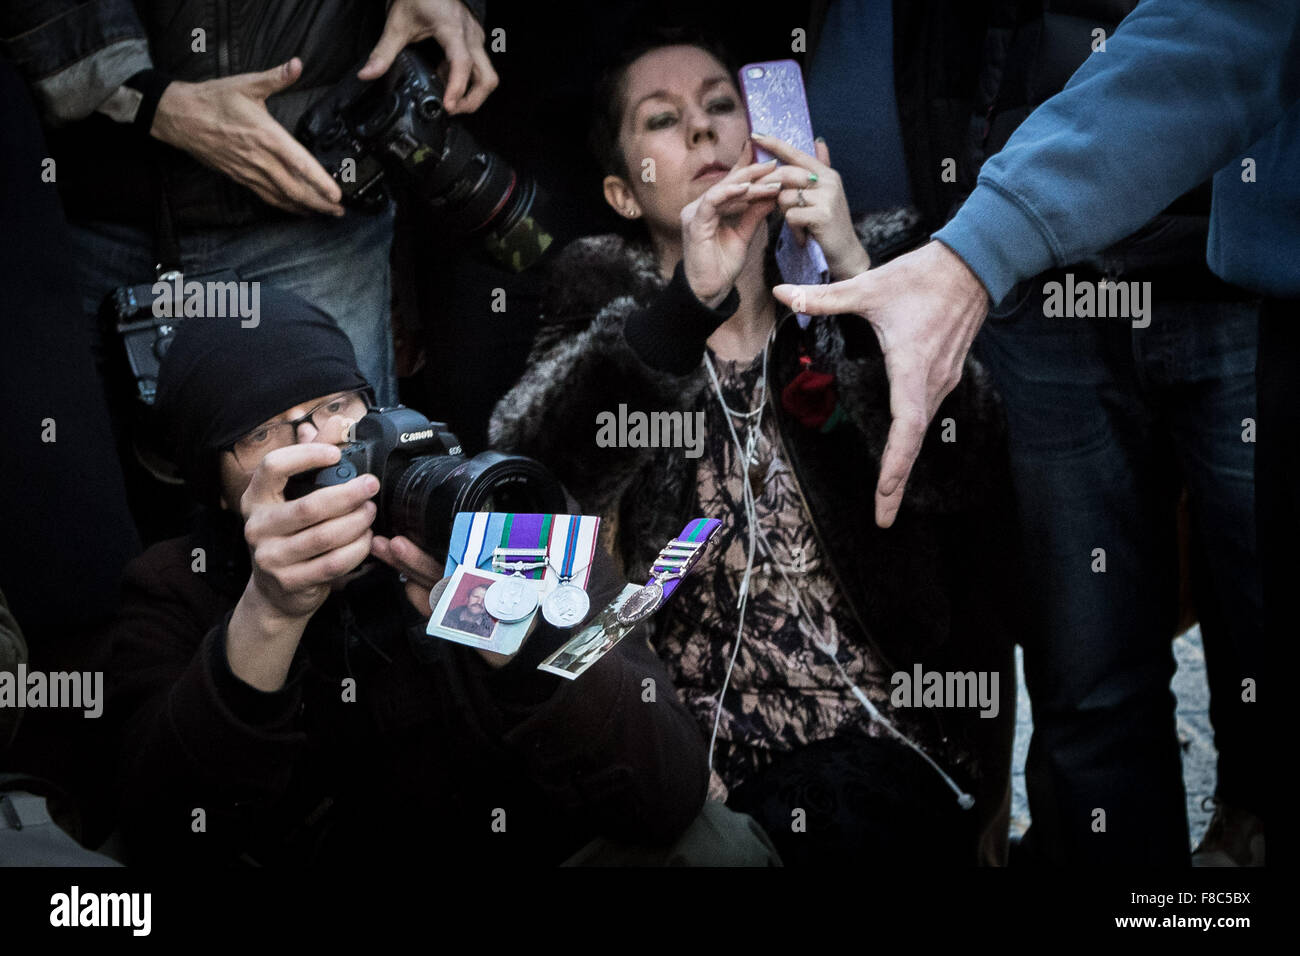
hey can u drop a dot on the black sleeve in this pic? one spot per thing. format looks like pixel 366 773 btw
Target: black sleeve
pixel 615 747
pixel 623 353
pixel 670 335
pixel 191 734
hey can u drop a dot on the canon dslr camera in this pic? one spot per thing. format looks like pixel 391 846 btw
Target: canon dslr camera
pixel 425 480
pixel 363 132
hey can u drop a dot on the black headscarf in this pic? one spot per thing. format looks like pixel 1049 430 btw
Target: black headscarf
pixel 219 380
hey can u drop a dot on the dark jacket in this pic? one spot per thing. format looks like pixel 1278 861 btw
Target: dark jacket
pixel 939 58
pixel 434 744
pixel 1198 86
pixel 1035 46
pixel 75 54
pixel 938 589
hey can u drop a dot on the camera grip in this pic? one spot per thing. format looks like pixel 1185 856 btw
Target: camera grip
pixel 304 483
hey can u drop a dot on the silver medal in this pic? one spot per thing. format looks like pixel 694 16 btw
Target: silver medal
pixel 566 605
pixel 511 599
pixel 641 604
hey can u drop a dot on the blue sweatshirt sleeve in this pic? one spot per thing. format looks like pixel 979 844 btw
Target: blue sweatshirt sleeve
pixel 1182 87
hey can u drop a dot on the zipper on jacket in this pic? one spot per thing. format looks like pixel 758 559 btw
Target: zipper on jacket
pixel 222 10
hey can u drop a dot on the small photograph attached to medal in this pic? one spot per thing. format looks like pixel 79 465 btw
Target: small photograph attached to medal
pixel 465 611
pixel 591 643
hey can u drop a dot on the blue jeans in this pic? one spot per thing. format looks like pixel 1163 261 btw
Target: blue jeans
pixel 339 265
pixel 1107 423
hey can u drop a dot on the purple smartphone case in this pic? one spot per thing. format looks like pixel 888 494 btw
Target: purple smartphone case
pixel 777 105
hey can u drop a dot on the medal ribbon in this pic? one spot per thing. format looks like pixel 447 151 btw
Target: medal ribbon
pixel 527 532
pixel 570 547
pixel 572 537
pixel 696 530
pixel 467 537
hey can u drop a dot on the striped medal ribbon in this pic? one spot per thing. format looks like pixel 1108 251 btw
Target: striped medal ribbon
pixel 674 562
pixel 522 551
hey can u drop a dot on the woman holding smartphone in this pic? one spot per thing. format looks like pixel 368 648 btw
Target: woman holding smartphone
pixel 787 640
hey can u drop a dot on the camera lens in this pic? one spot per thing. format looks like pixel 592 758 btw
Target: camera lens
pixel 433 489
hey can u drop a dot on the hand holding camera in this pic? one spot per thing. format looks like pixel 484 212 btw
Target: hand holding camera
pixel 224 124
pixel 418 568
pixel 467 71
pixel 299 546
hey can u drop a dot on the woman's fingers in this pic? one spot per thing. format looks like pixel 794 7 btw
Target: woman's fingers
pixel 752 217
pixel 747 173
pixel 741 194
pixel 789 154
pixel 743 200
pixel 715 201
pixel 793 177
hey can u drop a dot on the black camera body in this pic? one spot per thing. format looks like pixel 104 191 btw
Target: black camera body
pixel 146 338
pixel 364 132
pixel 425 480
pixel 146 316
pixel 358 121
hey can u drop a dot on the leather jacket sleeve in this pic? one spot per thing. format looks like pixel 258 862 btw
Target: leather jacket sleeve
pixel 74 55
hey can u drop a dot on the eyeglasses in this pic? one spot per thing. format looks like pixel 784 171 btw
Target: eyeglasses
pixel 257 444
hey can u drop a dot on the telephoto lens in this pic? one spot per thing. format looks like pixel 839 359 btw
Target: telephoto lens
pixel 398 125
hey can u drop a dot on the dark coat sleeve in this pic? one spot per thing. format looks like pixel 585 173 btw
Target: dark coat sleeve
pixel 74 55
pixel 610 337
pixel 192 735
pixel 614 748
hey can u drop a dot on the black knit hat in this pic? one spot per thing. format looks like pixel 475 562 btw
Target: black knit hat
pixel 219 380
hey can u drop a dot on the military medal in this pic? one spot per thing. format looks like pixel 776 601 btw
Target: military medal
pixel 507 555
pixel 522 551
pixel 511 599
pixel 568 603
pixel 674 562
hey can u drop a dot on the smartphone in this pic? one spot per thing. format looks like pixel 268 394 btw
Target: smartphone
pixel 777 106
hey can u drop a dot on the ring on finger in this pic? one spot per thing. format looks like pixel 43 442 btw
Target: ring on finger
pixel 803 200
pixel 813 179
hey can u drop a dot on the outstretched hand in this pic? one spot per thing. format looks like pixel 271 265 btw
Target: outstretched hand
pixel 925 308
